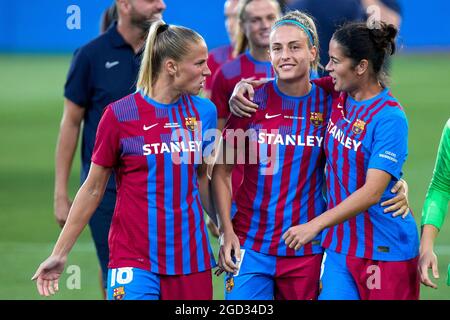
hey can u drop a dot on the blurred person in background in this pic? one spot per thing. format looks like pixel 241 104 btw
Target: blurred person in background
pixel 108 17
pixel 102 71
pixel 342 11
pixel 255 20
pixel 434 210
pixel 218 56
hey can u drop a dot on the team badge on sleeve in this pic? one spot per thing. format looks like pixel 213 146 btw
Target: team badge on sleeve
pixel 191 123
pixel 358 126
pixel 119 292
pixel 316 118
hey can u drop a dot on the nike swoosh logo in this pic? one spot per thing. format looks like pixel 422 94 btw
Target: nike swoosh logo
pixel 272 116
pixel 149 127
pixel 109 65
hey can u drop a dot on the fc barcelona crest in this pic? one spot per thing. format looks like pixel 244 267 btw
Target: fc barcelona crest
pixel 118 293
pixel 358 126
pixel 191 123
pixel 316 118
pixel 229 285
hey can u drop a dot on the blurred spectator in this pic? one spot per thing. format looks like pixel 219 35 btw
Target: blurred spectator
pixel 330 14
pixel 218 56
pixel 108 17
pixel 390 10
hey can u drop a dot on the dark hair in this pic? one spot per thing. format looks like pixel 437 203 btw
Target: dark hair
pixel 108 17
pixel 373 44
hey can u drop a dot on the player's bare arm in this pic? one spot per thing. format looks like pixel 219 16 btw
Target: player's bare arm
pixel 222 193
pixel 428 259
pixel 84 205
pixel 359 201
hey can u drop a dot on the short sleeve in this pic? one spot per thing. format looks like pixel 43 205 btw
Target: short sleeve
pixel 209 126
pixel 77 86
pixel 232 127
pixel 107 142
pixel 213 66
pixel 438 195
pixel 220 94
pixel 390 144
pixel 326 83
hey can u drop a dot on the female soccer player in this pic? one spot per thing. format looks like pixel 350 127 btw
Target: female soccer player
pixel 283 186
pixel 256 18
pixel 435 210
pixel 218 56
pixel 369 255
pixel 342 159
pixel 153 140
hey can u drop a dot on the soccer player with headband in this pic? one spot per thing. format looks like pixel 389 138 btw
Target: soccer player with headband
pixel 365 146
pixel 277 190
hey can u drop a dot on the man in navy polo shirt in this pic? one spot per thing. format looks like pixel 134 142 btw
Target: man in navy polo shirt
pixel 102 71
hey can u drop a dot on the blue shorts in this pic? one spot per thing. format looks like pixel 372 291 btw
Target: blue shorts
pixel 337 281
pixel 352 278
pixel 99 225
pixel 138 284
pixel 267 277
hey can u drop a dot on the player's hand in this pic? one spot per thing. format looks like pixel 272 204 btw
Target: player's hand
pixel 240 105
pixel 230 250
pixel 62 208
pixel 299 235
pixel 48 274
pixel 428 260
pixel 399 204
pixel 212 227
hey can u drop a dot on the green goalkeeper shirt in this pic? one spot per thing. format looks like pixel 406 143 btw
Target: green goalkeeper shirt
pixel 438 195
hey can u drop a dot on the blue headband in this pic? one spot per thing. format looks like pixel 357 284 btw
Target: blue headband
pixel 298 24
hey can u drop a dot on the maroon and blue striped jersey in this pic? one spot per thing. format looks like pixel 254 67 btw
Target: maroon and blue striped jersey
pixel 284 168
pixel 227 76
pixel 362 135
pixel 216 58
pixel 155 150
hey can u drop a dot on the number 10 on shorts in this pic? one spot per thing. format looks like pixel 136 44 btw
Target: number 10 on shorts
pixel 121 276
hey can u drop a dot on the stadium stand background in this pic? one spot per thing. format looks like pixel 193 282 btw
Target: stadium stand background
pixel 29 26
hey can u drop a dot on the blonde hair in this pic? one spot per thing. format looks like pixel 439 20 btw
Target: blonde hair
pixel 163 41
pixel 308 22
pixel 241 38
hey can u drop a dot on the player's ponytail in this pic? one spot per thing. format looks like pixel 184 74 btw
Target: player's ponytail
pixel 163 41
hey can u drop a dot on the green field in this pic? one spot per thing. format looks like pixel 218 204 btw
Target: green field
pixel 31 100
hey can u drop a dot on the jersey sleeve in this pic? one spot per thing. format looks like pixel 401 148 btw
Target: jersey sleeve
pixel 220 94
pixel 326 83
pixel 390 144
pixel 234 127
pixel 107 142
pixel 209 126
pixel 77 86
pixel 213 66
pixel 438 195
